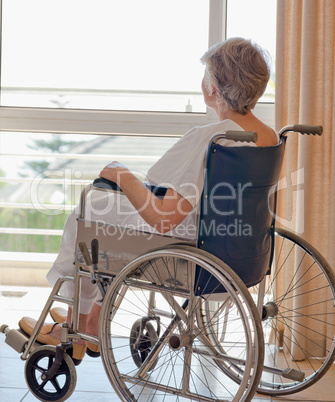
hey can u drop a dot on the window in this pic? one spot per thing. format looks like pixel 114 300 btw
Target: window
pixel 255 20
pixel 113 55
pixel 78 70
pixel 61 55
pixel 41 178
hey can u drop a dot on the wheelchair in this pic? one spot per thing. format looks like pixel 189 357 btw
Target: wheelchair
pixel 203 319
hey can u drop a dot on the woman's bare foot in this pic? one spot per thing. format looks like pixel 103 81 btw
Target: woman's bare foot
pixel 92 328
pixel 56 330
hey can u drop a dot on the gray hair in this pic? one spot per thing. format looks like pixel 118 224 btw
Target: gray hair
pixel 239 72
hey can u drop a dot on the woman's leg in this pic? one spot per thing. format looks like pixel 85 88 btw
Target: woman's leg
pixel 88 323
pixel 63 264
pixel 93 320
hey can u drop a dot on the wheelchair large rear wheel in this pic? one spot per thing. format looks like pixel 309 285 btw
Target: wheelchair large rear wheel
pixel 163 288
pixel 298 317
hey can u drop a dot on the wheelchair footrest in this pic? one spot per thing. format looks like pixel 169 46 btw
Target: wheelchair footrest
pixel 17 339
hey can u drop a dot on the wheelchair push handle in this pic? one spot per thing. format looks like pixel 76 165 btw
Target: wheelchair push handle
pixel 307 129
pixel 302 129
pixel 244 136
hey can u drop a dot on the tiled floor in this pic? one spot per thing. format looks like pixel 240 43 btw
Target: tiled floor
pixel 92 383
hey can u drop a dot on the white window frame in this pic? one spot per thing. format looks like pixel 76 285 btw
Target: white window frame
pixel 104 122
pixel 23 119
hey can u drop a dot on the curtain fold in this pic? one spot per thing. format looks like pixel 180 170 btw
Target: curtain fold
pixel 305 92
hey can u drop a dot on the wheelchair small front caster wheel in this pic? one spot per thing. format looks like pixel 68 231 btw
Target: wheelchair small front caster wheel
pixel 58 386
pixel 142 343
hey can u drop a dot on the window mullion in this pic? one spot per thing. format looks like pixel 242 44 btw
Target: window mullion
pixel 217 21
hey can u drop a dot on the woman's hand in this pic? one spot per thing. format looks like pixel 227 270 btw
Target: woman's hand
pixel 113 172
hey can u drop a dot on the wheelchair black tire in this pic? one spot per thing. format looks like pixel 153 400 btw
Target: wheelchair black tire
pixel 38 363
pixel 150 338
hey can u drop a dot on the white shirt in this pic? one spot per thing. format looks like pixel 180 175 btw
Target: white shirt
pixel 182 167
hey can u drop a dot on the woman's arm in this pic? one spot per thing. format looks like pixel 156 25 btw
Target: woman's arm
pixel 162 214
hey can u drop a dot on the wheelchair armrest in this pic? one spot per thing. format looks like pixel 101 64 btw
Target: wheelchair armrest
pixel 100 182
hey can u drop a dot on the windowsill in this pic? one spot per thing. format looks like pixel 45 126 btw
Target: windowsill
pixel 26 258
pixel 25 269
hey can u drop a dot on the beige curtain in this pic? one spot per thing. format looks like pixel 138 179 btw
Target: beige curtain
pixel 305 93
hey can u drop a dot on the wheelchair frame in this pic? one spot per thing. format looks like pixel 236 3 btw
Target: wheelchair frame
pixel 197 325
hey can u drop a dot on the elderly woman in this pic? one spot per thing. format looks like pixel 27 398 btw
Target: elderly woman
pixel 235 77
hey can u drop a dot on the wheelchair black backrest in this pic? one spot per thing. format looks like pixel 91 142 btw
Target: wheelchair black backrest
pixel 238 207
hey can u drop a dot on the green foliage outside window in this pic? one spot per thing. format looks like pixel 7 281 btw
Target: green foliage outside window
pixel 32 218
pixel 28 218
